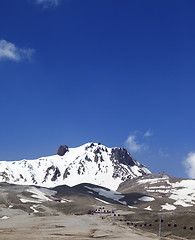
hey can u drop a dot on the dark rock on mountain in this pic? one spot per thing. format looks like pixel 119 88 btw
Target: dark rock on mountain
pixel 56 174
pixel 66 173
pixel 62 150
pixel 122 156
pixel 4 176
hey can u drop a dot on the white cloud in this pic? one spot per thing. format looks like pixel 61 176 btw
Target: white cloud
pixel 48 3
pixel 9 51
pixel 148 133
pixel 133 146
pixel 189 163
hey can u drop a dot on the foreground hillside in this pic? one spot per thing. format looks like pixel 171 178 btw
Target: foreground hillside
pixel 28 212
pixel 91 162
pixel 63 211
pixel 167 193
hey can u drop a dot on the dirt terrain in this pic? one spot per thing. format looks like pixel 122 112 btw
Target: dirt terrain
pixel 29 212
pixel 21 225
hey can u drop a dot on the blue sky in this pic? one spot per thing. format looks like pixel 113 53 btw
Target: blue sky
pixel 116 72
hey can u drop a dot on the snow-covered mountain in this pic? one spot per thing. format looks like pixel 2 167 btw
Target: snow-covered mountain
pixel 90 163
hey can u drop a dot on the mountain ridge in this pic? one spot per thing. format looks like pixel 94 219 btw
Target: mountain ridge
pixel 92 163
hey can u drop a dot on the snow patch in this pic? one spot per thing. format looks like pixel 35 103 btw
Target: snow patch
pixel 146 199
pixel 39 194
pixel 158 191
pixel 148 208
pixel 152 181
pixel 48 192
pixel 131 206
pixel 168 207
pixel 116 196
pixel 66 200
pixel 102 200
pixel 90 192
pixel 4 217
pixel 182 203
pixel 183 192
pixel 23 200
pixel 33 208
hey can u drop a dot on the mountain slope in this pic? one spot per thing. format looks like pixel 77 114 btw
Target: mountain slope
pixel 89 163
pixel 169 193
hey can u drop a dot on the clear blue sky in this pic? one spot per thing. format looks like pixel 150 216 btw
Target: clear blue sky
pixel 119 72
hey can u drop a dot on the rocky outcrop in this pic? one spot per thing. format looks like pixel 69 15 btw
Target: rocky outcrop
pixel 122 156
pixel 66 173
pixel 62 150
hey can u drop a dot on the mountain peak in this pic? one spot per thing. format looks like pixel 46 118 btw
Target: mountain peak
pixel 90 163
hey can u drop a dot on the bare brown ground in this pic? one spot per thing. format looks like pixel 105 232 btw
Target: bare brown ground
pixel 82 227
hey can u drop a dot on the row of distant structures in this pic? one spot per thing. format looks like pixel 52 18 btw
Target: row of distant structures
pixel 150 224
pixel 135 224
pixel 100 210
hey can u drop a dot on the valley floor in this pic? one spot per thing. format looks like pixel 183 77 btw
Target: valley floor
pixel 21 226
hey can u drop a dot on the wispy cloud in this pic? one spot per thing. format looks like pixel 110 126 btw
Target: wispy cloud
pixel 148 133
pixel 189 164
pixel 48 3
pixel 136 142
pixel 132 144
pixel 9 51
pixel 163 153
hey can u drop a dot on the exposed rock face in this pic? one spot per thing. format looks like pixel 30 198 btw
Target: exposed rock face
pixel 122 156
pixel 62 150
pixel 55 173
pixel 4 176
pixel 66 173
